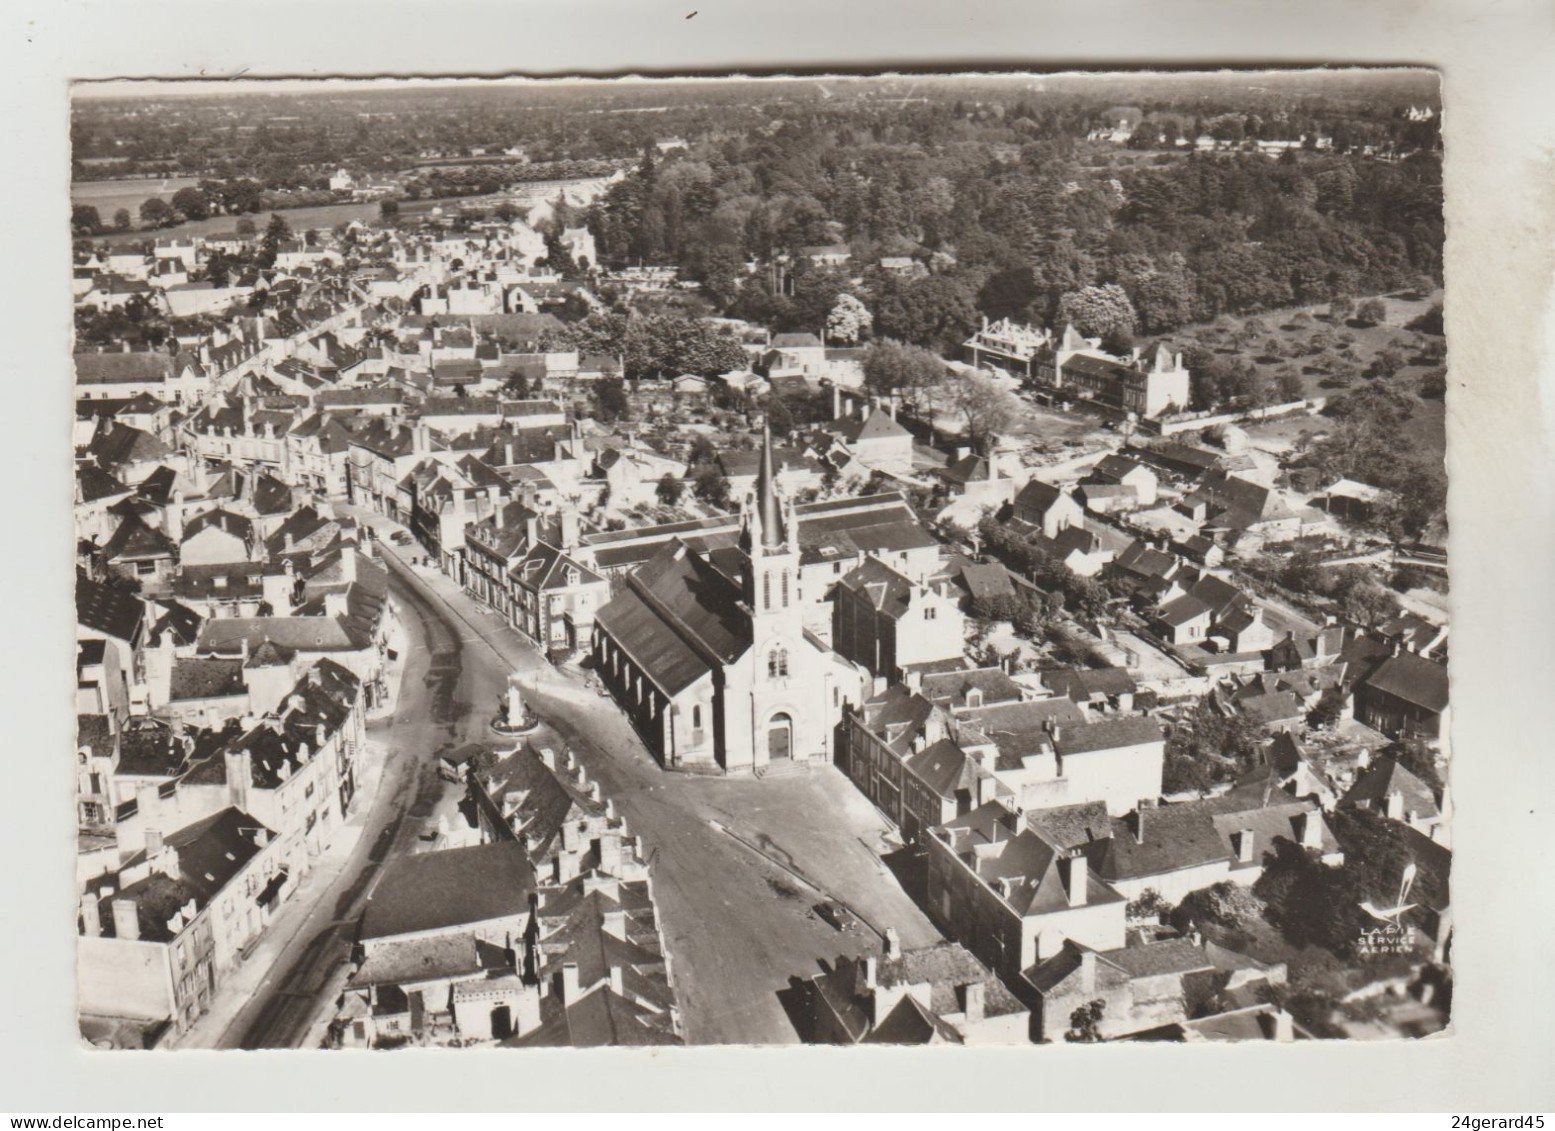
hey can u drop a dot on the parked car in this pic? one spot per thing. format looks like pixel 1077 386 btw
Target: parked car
pixel 838 916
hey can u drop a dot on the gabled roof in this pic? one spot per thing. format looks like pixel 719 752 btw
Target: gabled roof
pixel 992 685
pixel 228 522
pixel 1414 679
pixel 117 443
pixel 885 589
pixel 677 617
pixel 1387 776
pixel 442 891
pixel 1037 496
pixel 98 484
pixel 877 426
pixel 133 540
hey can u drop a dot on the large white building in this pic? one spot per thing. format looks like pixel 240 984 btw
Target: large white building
pixel 709 653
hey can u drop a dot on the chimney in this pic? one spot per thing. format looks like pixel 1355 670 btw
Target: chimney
pixel 610 853
pixel 870 970
pixel 1311 830
pixel 614 923
pixel 240 777
pixel 836 401
pixel 863 410
pixel 569 983
pixel 91 916
pixel 1282 1026
pixel 569 528
pixel 1139 825
pixel 1395 806
pixel 126 919
pixel 1077 880
pixel 973 998
pixel 893 943
pixel 1087 971
pixel 617 985
pixel 153 842
pixel 1244 846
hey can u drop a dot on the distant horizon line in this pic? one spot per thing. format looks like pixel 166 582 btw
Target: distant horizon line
pixel 241 84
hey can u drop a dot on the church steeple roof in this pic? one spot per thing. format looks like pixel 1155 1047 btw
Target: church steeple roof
pixel 772 535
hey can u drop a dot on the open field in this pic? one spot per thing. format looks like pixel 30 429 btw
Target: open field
pixel 110 196
pixel 1284 328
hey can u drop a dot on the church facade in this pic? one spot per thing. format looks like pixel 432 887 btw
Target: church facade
pixel 709 654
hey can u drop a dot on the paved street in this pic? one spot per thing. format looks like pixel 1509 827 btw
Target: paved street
pixel 442 699
pixel 736 909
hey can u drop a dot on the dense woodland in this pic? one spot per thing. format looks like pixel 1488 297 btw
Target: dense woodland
pixel 1010 222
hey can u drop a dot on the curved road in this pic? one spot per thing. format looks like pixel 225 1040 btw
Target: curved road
pixel 441 700
pixel 737 863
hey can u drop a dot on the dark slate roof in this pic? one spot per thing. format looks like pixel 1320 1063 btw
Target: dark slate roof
pixel 877 426
pixel 196 677
pixel 886 590
pixel 441 891
pixel 123 367
pixel 1386 776
pixel 237 525
pixel 677 617
pixel 1108 734
pixel 1082 685
pixel 97 483
pixel 1414 679
pixel 951 688
pixel 943 768
pixel 1071 826
pixel 108 609
pixel 132 539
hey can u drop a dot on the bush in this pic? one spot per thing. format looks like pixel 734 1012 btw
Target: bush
pixel 1225 904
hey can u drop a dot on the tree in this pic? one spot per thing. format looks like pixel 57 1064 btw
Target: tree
pixel 191 203
pixel 848 321
pixel 245 227
pixel 986 406
pixel 1148 905
pixel 1373 311
pixel 1098 310
pixel 1225 904
pixel 1287 384
pixel 1341 309
pixel 892 367
pixel 610 401
pixel 390 209
pixel 936 312
pixel 516 385
pixel 157 212
pixel 84 220
pixel 122 220
pixel 669 490
pixel 1387 362
pixel 1085 1022
pixel 711 486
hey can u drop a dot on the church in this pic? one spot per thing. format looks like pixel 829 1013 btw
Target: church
pixel 708 651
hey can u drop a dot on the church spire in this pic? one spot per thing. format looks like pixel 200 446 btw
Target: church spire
pixel 767 508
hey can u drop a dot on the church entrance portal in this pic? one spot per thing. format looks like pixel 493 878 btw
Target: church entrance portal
pixel 780 737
